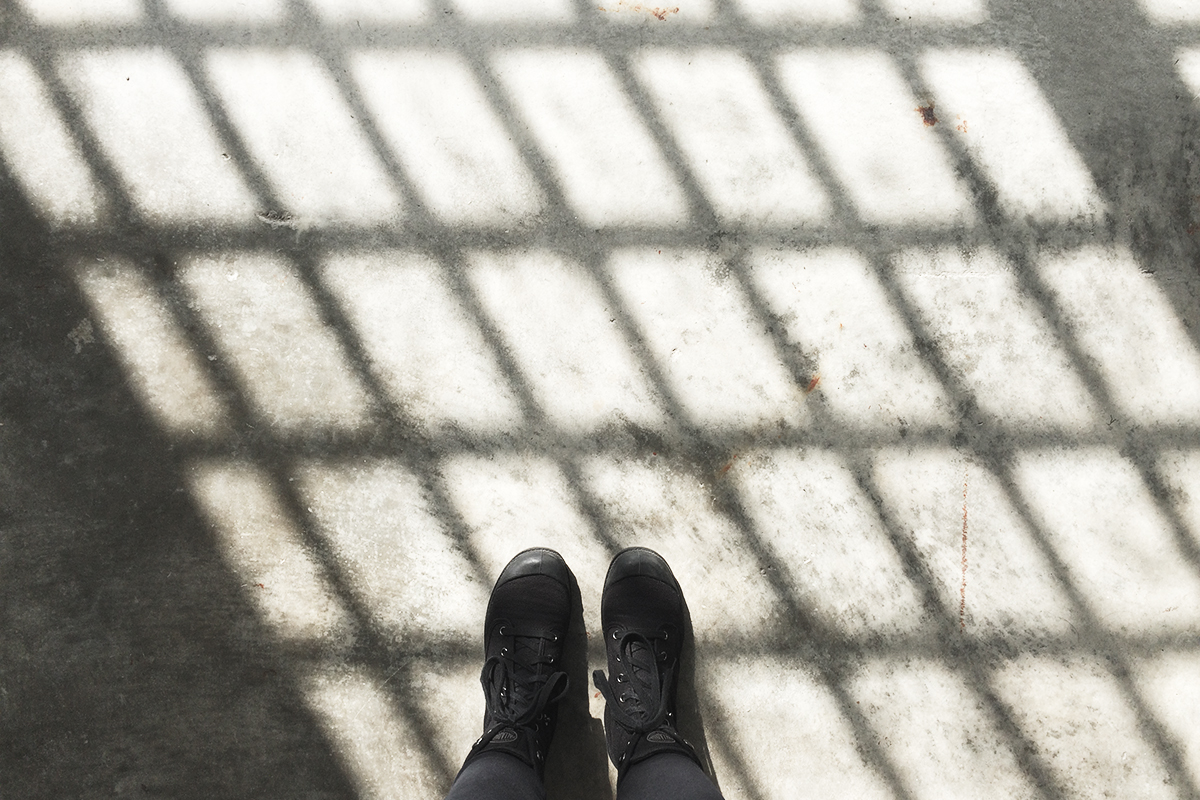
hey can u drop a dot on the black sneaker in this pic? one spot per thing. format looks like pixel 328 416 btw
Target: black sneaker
pixel 642 613
pixel 524 631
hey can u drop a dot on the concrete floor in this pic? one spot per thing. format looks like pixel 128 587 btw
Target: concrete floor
pixel 879 319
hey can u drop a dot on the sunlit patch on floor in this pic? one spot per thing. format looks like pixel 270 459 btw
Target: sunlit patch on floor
pixel 566 338
pixel 40 150
pixel 1002 119
pixel 835 313
pixel 322 177
pixel 382 754
pixel 827 536
pixel 166 371
pixel 989 331
pixel 128 96
pixel 437 119
pixel 804 745
pixel 698 324
pixel 740 152
pixel 269 329
pixel 941 737
pixel 264 545
pixel 425 347
pixel 610 170
pixel 1006 587
pixel 1074 713
pixel 394 550
pixel 1125 321
pixel 860 111
pixel 1116 545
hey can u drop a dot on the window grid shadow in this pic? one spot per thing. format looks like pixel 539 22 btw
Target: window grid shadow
pixel 395 434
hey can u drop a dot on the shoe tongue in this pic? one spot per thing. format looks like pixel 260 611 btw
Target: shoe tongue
pixel 526 651
pixel 643 674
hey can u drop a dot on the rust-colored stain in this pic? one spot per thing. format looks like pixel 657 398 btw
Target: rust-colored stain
pixel 812 384
pixel 962 591
pixel 961 127
pixel 658 13
pixel 927 115
pixel 727 467
pixel 259 585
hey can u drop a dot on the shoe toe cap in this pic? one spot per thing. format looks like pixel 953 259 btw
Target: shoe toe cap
pixel 640 561
pixel 537 561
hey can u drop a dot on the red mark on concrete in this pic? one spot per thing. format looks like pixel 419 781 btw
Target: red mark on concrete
pixel 727 467
pixel 961 127
pixel 259 585
pixel 927 115
pixel 962 592
pixel 812 384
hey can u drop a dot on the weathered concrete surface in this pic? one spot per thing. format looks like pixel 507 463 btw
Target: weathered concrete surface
pixel 878 319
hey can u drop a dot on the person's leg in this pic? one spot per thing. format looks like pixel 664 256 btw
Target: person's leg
pixel 524 631
pixel 667 776
pixel 497 776
pixel 642 614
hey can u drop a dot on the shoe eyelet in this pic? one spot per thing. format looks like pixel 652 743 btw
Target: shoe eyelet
pixel 621 699
pixel 665 636
pixel 502 631
pixel 554 638
pixel 616 634
pixel 503 651
pixel 618 659
pixel 662 656
pixel 620 677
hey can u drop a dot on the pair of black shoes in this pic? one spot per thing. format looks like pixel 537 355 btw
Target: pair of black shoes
pixel 643 618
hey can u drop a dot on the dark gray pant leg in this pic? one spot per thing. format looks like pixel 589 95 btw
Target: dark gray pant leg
pixel 667 776
pixel 497 776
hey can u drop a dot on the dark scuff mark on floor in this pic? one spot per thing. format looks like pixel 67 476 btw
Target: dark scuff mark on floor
pixel 962 591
